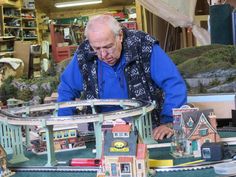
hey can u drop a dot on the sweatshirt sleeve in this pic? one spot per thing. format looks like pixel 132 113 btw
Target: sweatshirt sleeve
pixel 166 75
pixel 70 86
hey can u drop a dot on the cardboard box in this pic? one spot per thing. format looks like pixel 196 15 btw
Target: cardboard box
pixel 22 51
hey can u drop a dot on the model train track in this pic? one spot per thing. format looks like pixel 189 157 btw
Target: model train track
pixel 131 108
pixel 200 166
pixel 96 169
pixel 54 169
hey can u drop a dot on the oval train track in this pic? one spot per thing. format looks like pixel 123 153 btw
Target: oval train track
pixel 131 108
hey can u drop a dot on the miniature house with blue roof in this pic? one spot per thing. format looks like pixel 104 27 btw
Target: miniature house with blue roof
pixel 123 154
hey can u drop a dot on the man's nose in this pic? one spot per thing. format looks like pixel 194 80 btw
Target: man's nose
pixel 103 52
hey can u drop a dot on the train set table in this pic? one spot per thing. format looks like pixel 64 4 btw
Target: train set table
pixel 115 155
pixel 155 153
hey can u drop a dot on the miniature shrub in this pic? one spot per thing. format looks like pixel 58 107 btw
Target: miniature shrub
pixel 7 90
pixel 25 94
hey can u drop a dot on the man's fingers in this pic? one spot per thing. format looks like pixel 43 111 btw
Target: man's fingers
pixel 160 132
pixel 162 136
pixel 156 134
pixel 170 134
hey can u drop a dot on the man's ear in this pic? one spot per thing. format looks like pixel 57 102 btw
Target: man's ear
pixel 121 36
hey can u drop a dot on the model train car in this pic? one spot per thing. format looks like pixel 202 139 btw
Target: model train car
pixel 85 162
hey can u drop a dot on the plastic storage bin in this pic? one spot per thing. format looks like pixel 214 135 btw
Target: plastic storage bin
pixel 227 168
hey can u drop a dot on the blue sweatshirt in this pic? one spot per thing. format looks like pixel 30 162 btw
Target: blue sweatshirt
pixel 112 83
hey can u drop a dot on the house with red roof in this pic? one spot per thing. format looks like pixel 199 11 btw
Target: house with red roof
pixel 123 154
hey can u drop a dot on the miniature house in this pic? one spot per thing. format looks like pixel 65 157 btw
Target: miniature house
pixel 12 102
pixel 65 138
pixel 123 155
pixel 197 127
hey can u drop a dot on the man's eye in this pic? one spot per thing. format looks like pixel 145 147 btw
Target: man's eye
pixel 107 47
pixel 95 49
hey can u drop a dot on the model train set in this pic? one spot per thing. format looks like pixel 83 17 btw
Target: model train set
pixel 121 147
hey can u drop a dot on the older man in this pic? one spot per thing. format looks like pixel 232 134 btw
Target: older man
pixel 117 63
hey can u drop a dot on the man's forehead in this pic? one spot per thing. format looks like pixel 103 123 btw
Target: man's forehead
pixel 101 40
pixel 101 44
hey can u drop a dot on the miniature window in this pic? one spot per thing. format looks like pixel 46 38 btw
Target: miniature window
pixel 66 134
pixel 113 169
pixel 203 132
pixel 126 134
pixel 115 134
pixel 206 153
pixel 120 134
pixel 139 166
pixel 72 133
pixel 190 122
pixel 43 137
pixel 59 135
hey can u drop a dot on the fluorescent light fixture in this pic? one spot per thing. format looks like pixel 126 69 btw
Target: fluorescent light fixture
pixel 77 3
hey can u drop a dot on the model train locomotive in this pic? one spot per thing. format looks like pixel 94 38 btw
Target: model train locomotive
pixel 85 162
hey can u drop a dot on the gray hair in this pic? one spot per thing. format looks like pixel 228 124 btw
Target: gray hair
pixel 108 20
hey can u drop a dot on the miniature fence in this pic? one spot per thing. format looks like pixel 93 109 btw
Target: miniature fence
pixel 11 140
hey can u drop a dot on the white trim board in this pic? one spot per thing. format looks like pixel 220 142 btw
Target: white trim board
pixel 221 103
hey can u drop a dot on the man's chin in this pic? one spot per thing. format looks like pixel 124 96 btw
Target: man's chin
pixel 111 63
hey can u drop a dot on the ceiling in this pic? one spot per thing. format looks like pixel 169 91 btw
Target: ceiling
pixel 48 5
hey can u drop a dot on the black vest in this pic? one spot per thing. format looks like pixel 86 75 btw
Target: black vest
pixel 137 48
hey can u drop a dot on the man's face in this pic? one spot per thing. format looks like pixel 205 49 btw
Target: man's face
pixel 106 45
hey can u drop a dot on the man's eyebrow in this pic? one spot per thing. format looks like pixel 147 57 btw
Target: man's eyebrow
pixel 108 45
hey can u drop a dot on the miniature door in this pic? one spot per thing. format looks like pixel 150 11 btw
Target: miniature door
pixel 125 170
pixel 194 145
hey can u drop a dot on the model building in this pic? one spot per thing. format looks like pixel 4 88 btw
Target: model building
pixel 123 154
pixel 193 128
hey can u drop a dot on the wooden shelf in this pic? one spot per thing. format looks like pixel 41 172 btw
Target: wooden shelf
pixel 15 17
pixel 28 18
pixel 11 3
pixel 29 28
pixel 27 9
pixel 6 53
pixel 30 38
pixel 12 16
pixel 29 24
pixel 14 27
pixel 7 40
pixel 3 38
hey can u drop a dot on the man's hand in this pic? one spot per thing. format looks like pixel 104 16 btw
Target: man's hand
pixel 162 131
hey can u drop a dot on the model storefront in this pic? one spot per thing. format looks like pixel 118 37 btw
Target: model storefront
pixel 123 154
pixel 65 138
